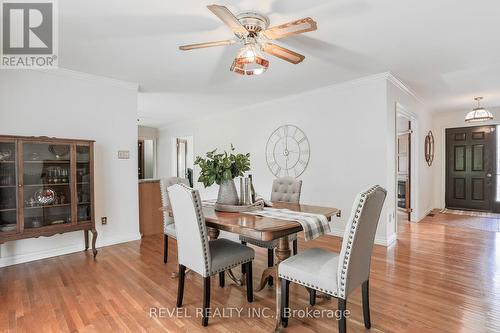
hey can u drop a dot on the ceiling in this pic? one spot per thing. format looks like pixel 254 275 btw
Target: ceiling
pixel 447 51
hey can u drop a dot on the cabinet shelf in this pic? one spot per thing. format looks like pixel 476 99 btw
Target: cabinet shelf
pixel 48 206
pixel 7 162
pixel 7 186
pixel 38 185
pixel 45 227
pixel 8 209
pixel 47 161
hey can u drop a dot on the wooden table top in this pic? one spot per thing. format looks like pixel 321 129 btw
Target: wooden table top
pixel 259 227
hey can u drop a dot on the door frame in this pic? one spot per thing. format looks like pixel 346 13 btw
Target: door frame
pixel 442 198
pixel 495 206
pixel 414 165
pixel 178 152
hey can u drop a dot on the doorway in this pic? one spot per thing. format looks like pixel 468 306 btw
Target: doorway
pixel 403 168
pixel 471 168
pixel 406 168
pixel 146 158
pixel 183 158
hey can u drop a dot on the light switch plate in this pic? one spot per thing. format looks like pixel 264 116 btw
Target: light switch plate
pixel 123 154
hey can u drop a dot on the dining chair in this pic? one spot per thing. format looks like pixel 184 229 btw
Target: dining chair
pixel 285 189
pixel 338 274
pixel 200 255
pixel 168 221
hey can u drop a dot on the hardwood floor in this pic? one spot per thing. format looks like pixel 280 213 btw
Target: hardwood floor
pixel 465 221
pixel 436 278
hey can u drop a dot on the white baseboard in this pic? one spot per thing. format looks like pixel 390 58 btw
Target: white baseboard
pixel 387 241
pixel 27 257
pixel 425 215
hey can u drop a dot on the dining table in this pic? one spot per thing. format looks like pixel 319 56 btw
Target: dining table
pixel 265 229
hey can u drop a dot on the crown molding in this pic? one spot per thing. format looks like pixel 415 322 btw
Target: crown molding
pixel 64 72
pixel 401 85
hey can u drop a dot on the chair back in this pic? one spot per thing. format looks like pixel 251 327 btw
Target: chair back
pixel 192 237
pixel 359 235
pixel 286 189
pixel 165 202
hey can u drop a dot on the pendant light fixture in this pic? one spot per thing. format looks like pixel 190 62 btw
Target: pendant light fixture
pixel 479 113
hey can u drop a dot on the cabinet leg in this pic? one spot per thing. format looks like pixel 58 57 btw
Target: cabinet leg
pixel 94 238
pixel 86 234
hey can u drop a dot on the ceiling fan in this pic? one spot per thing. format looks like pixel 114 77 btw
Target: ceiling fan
pixel 252 30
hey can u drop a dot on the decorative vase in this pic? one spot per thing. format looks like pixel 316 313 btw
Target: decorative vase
pixel 227 193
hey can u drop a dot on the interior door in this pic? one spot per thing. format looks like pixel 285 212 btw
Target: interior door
pixel 470 163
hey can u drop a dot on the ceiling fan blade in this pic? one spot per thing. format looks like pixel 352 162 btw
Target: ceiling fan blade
pixel 283 53
pixel 207 44
pixel 229 19
pixel 291 28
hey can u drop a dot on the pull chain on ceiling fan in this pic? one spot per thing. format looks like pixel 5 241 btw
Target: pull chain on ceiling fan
pixel 252 30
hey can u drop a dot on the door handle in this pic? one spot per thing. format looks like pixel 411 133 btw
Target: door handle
pixel 488 175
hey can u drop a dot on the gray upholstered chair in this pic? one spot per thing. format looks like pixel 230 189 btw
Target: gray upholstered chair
pixel 168 221
pixel 197 253
pixel 285 189
pixel 338 274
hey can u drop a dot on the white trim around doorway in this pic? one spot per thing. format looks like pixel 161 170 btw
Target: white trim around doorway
pixel 414 170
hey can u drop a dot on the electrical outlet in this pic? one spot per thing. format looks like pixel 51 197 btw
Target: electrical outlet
pixel 104 220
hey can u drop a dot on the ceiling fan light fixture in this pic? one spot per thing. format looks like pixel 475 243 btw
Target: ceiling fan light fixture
pixel 479 113
pixel 250 61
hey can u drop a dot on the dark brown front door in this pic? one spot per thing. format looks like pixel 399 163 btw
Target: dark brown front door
pixel 470 166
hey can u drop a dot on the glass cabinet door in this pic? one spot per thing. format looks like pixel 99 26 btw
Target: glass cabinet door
pixel 8 187
pixel 83 185
pixel 46 184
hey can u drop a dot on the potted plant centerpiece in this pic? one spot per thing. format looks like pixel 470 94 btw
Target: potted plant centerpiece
pixel 221 169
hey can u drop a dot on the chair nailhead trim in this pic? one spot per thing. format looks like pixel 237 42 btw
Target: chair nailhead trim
pixel 223 269
pixel 329 292
pixel 195 196
pixel 352 233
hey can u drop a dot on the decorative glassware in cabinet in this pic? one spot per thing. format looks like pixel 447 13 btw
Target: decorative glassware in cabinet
pixel 84 211
pixel 47 184
pixel 8 186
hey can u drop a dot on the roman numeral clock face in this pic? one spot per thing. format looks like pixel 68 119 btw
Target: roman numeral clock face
pixel 287 151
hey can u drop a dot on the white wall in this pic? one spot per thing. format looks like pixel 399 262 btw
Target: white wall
pixel 442 121
pixel 75 105
pixel 348 132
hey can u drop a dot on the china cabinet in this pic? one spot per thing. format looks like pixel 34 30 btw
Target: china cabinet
pixel 46 188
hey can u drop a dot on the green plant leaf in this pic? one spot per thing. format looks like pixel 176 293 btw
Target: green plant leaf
pixel 217 168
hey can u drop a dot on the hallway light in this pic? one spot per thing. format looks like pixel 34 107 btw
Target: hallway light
pixel 479 113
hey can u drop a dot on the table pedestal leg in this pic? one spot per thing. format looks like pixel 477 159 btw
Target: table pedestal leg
pixel 213 233
pixel 282 252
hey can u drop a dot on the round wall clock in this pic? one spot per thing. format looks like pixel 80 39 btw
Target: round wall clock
pixel 287 151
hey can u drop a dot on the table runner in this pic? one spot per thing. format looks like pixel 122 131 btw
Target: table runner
pixel 314 225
